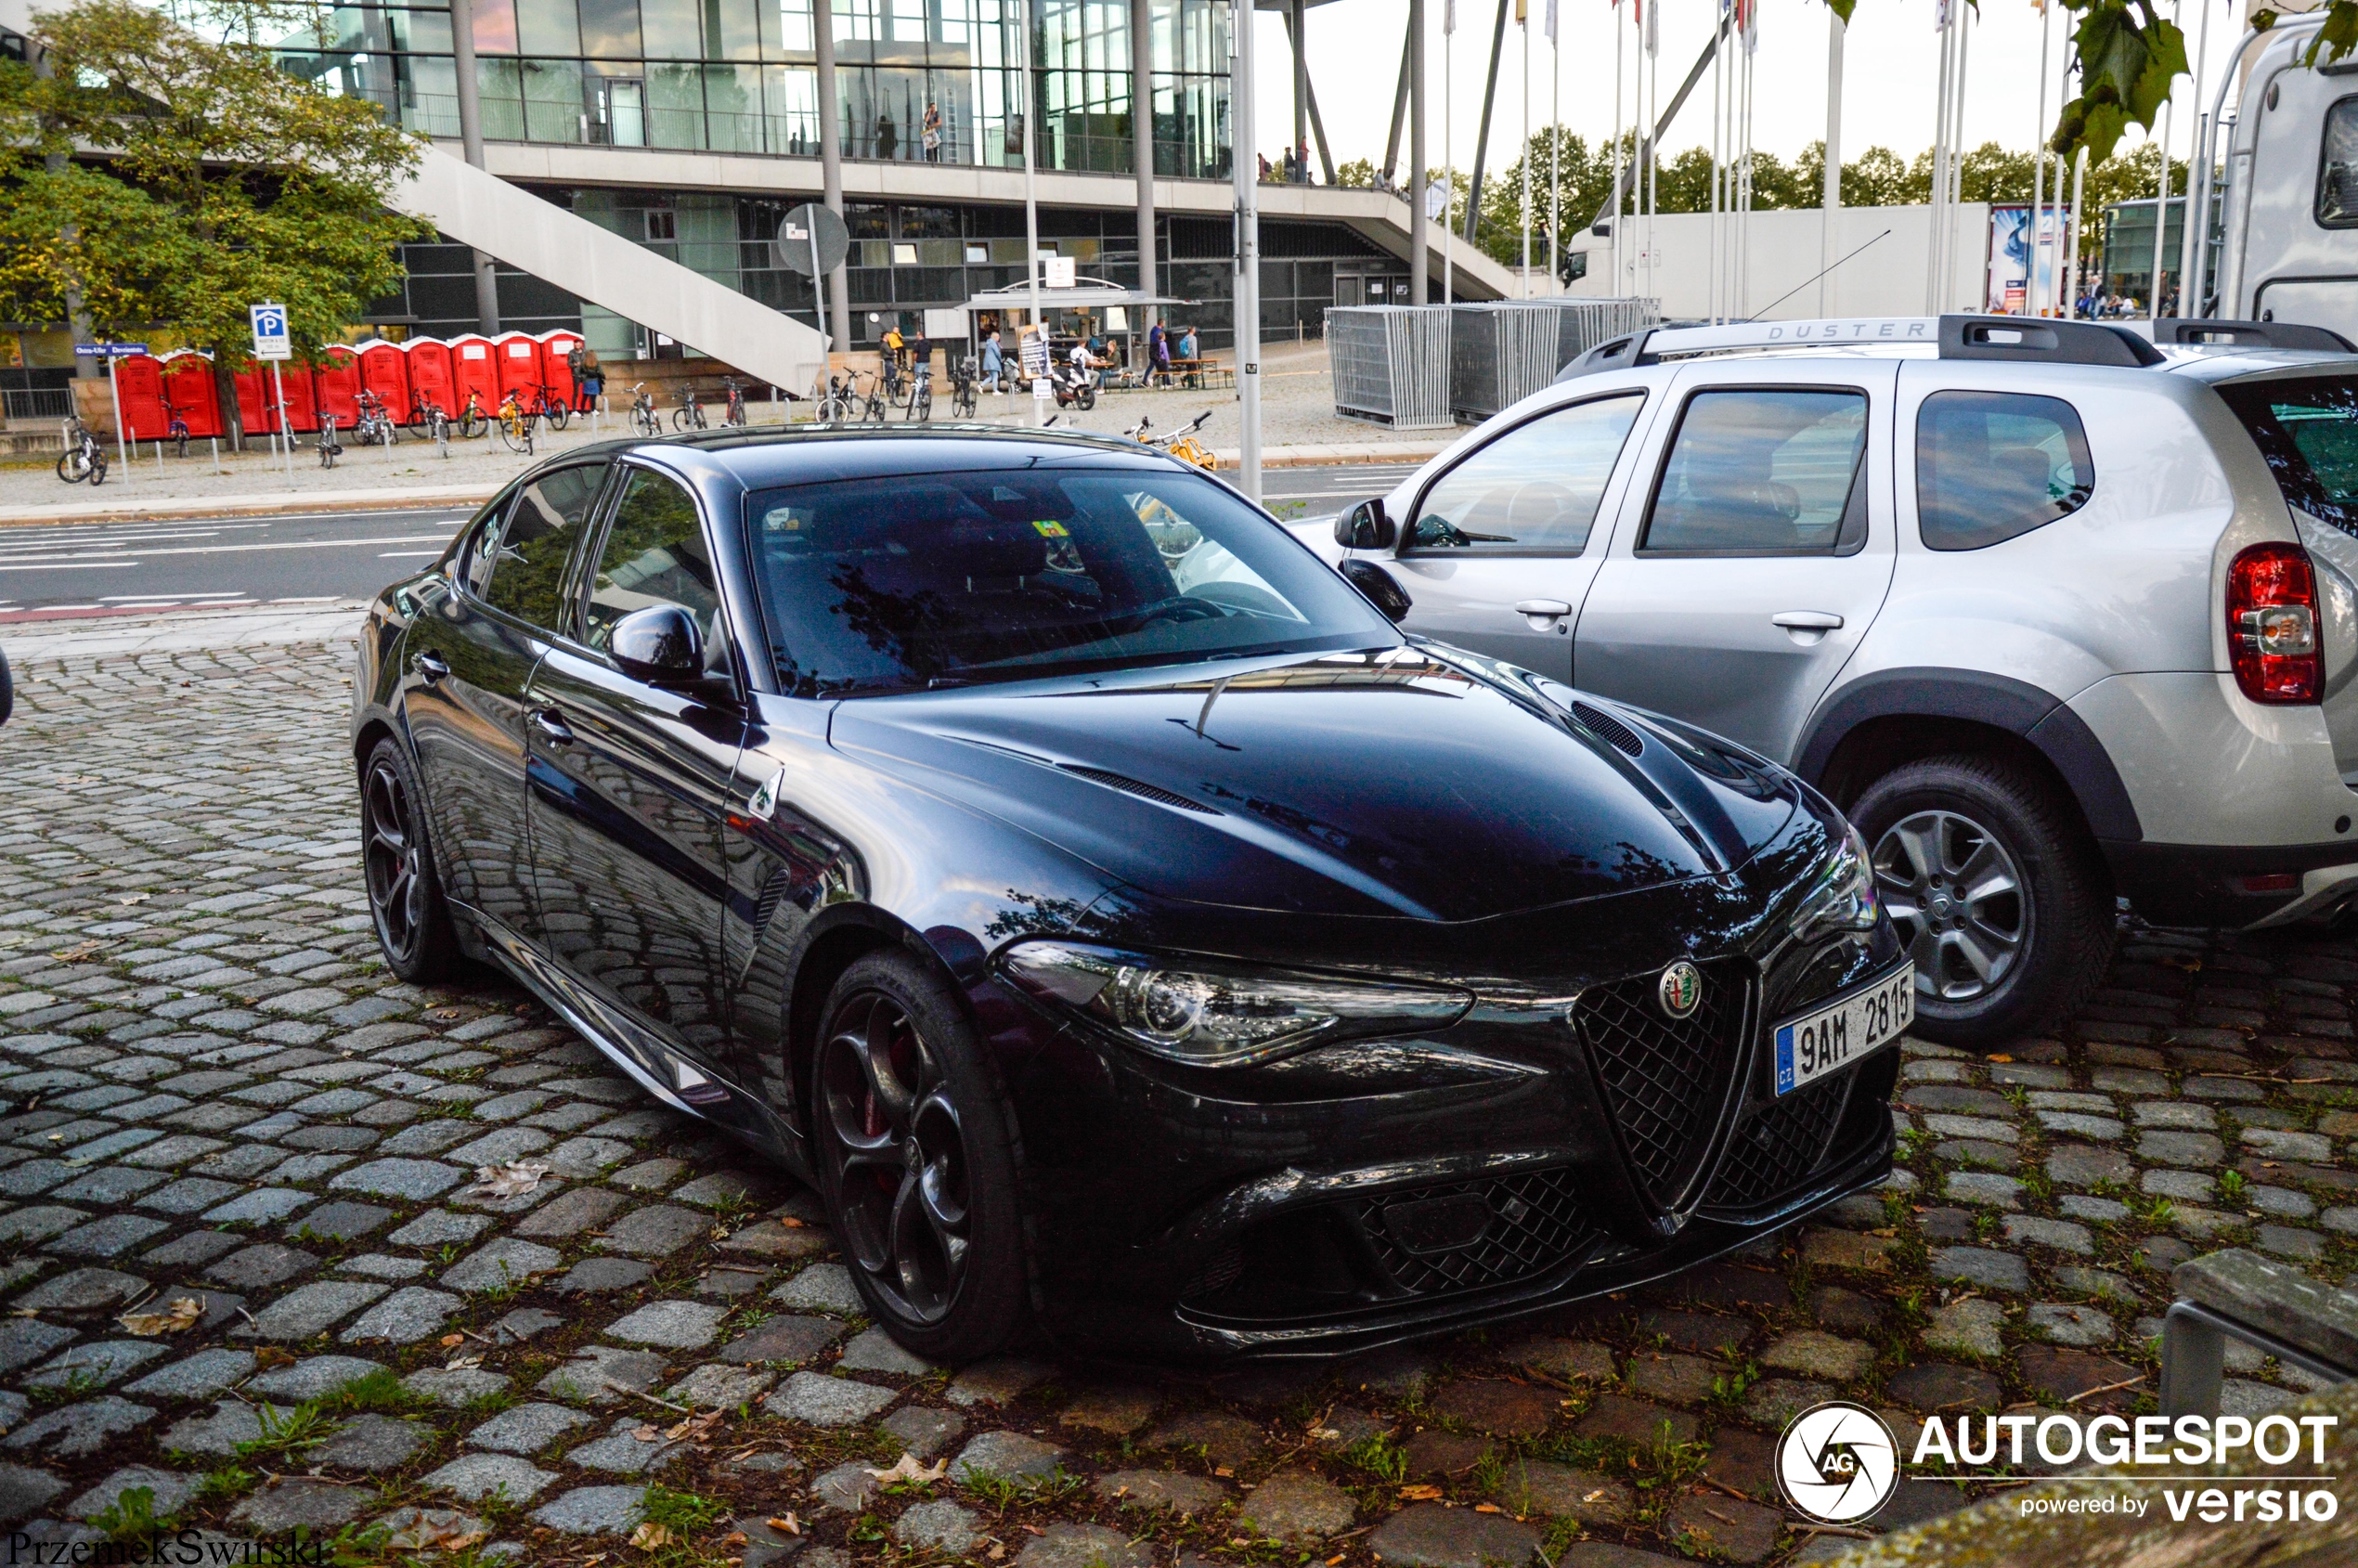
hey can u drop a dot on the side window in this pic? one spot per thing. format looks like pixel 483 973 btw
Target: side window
pixel 655 553
pixel 1764 470
pixel 1991 465
pixel 1532 491
pixel 2337 168
pixel 528 580
pixel 474 565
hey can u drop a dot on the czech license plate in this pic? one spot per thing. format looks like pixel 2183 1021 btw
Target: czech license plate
pixel 1833 1037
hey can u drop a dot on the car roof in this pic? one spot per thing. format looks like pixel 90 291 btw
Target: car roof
pixel 816 454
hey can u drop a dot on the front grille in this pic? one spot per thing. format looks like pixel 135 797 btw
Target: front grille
pixel 1776 1150
pixel 1533 1223
pixel 1664 1078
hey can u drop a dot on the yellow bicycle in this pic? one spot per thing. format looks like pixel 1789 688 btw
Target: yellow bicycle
pixel 514 424
pixel 1181 443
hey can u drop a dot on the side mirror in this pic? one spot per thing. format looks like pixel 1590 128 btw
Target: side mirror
pixel 659 645
pixel 1383 590
pixel 1366 526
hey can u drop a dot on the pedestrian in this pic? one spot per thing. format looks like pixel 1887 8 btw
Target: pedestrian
pixel 589 382
pixel 1157 351
pixel 994 361
pixel 933 132
pixel 1186 343
pixel 887 138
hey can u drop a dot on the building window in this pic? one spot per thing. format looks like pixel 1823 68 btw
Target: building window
pixel 662 223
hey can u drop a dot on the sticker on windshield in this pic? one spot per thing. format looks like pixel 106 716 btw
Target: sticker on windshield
pixel 1052 530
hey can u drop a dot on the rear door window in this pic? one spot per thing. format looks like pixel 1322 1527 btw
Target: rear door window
pixel 2307 428
pixel 1993 465
pixel 1763 470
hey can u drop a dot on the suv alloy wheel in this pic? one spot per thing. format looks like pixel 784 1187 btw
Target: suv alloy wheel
pixel 2003 902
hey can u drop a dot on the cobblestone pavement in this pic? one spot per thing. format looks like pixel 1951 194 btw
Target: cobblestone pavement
pixel 216 1095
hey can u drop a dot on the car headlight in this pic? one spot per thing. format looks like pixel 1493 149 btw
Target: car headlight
pixel 1842 894
pixel 1211 1013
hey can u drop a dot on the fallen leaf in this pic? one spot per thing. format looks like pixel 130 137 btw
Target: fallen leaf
pixel 790 1524
pixel 695 1429
pixel 271 1355
pixel 133 897
pixel 81 953
pixel 1488 1508
pixel 437 1530
pixel 735 1538
pixel 790 1222
pixel 649 1535
pixel 184 1313
pixel 1325 1434
pixel 463 1363
pixel 906 1468
pixel 996 1553
pixel 646 1434
pixel 449 1342
pixel 1419 1494
pixel 1999 1057
pixel 508 1180
pixel 1224 1470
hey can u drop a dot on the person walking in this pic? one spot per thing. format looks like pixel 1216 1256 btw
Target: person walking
pixel 1157 351
pixel 994 362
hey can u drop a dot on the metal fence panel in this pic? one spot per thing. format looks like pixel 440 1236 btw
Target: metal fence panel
pixel 37 403
pixel 1583 324
pixel 1390 364
pixel 1499 352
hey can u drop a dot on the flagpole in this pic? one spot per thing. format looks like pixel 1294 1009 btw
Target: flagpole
pixel 2188 236
pixel 1829 206
pixel 1555 148
pixel 1619 73
pixel 1448 155
pixel 2033 303
pixel 1523 21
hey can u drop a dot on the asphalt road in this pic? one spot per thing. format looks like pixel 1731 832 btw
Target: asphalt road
pixel 62 571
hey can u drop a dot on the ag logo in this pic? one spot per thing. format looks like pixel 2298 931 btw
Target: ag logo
pixel 1837 1462
pixel 1679 990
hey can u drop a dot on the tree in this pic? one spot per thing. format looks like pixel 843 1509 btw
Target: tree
pixel 200 179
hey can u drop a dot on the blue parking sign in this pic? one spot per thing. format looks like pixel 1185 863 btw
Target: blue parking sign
pixel 270 337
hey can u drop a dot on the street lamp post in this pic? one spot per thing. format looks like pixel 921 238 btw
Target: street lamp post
pixel 1248 290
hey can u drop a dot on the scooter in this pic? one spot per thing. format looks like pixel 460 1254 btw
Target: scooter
pixel 1074 387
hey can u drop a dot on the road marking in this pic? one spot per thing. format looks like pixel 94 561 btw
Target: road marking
pixel 406 555
pixel 221 550
pixel 68 566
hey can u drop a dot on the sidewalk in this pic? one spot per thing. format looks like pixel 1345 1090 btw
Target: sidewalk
pixel 181 632
pixel 108 506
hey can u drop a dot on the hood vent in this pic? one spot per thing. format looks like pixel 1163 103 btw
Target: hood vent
pixel 1612 731
pixel 1143 791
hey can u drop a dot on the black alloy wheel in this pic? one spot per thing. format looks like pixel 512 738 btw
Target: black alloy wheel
pixel 405 893
pixel 915 1163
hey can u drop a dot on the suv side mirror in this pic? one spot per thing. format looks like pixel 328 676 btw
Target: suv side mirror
pixel 659 645
pixel 1366 526
pixel 1382 589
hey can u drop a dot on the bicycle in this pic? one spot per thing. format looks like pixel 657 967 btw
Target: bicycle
pixel 962 388
pixel 176 432
pixel 83 459
pixel 515 425
pixel 735 417
pixel 329 448
pixel 553 408
pixel 472 422
pixel 642 410
pixel 1181 443
pixel 920 405
pixel 373 425
pixel 690 414
pixel 427 415
pixel 835 403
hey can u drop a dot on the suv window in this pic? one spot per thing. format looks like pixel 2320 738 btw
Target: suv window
pixel 1993 465
pixel 537 536
pixel 483 546
pixel 2307 428
pixel 1534 490
pixel 655 553
pixel 2337 168
pixel 1764 470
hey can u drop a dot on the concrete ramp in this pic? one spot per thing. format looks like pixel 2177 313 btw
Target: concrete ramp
pixel 603 268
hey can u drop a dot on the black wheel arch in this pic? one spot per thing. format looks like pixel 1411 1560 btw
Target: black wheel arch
pixel 1893 717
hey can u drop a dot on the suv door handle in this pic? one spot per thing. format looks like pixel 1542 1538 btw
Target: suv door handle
pixel 1807 620
pixel 1543 615
pixel 553 725
pixel 429 666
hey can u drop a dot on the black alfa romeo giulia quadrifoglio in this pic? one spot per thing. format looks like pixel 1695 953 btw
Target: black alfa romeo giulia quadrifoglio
pixel 1134 935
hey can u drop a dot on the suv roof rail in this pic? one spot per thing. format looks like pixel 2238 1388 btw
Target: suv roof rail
pixel 1957 337
pixel 2199 331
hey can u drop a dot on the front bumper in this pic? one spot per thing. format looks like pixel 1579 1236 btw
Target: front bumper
pixel 1498 1169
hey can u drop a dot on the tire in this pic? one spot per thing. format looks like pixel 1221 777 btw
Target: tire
pixel 1086 397
pixel 69 467
pixel 472 425
pixel 1997 965
pixel 889 1024
pixel 98 471
pixel 405 905
pixel 557 414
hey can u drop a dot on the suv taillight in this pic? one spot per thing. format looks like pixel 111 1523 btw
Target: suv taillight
pixel 2271 624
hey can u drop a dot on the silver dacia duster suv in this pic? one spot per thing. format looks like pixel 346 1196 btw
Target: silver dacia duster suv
pixel 2058 615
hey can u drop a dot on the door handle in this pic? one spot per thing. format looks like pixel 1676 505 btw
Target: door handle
pixel 430 667
pixel 552 727
pixel 1807 620
pixel 1543 615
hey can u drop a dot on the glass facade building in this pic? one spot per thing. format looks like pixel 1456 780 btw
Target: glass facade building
pixel 929 81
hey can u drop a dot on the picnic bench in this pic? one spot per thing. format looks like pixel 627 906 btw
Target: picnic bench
pixel 2273 1306
pixel 1202 373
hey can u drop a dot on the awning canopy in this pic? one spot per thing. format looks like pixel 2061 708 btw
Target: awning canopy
pixel 1089 293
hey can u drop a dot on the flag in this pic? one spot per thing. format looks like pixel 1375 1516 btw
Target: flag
pixel 1552 20
pixel 1654 28
pixel 1449 17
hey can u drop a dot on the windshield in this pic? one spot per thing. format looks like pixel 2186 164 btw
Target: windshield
pixel 2307 428
pixel 941 580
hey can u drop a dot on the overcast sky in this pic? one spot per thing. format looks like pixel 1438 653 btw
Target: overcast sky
pixel 1890 76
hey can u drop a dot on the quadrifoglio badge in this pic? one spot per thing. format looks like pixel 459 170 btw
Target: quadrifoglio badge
pixel 1837 1463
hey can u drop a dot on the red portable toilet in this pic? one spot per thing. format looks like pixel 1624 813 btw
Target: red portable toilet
pixel 139 390
pixel 474 374
pixel 518 356
pixel 187 386
pixel 430 375
pixel 385 371
pixel 558 374
pixel 255 415
pixel 337 386
pixel 303 408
